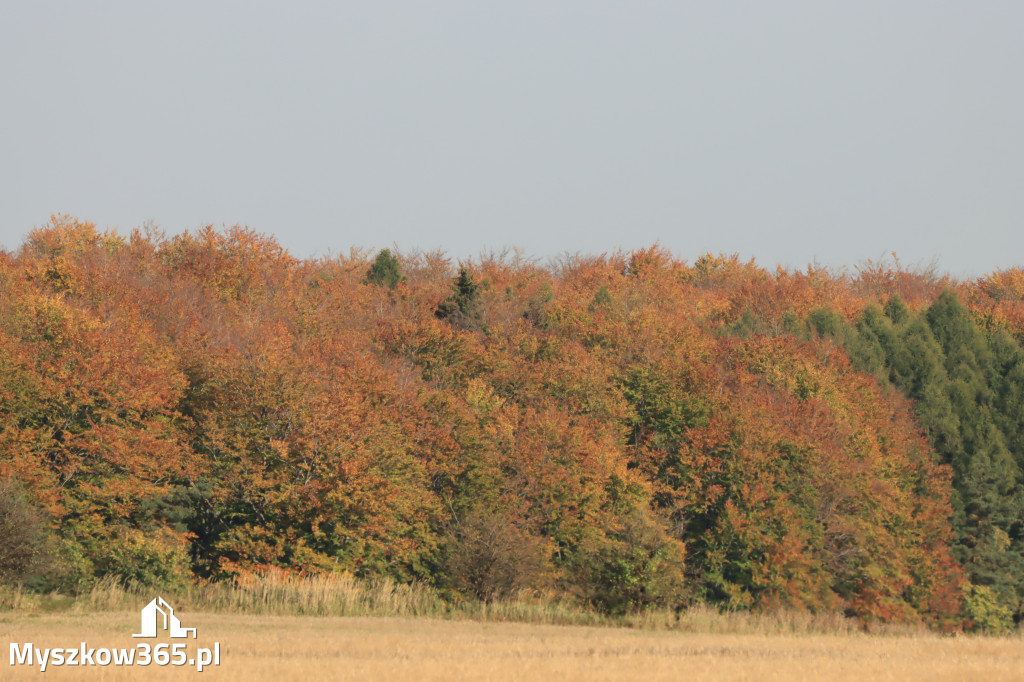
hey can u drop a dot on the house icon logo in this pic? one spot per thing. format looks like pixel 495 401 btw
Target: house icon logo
pixel 151 620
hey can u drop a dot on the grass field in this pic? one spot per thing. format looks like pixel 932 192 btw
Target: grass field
pixel 282 648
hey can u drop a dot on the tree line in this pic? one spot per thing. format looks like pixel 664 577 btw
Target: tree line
pixel 629 429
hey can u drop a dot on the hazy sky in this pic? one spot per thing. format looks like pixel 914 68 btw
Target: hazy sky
pixel 787 131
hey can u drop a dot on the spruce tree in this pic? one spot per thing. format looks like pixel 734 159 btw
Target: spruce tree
pixel 969 389
pixel 385 270
pixel 461 308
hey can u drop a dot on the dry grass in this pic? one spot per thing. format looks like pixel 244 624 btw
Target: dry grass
pixel 284 628
pixel 285 648
pixel 343 595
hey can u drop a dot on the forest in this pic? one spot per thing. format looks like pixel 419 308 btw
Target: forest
pixel 634 430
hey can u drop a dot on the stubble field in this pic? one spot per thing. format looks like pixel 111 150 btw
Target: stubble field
pixel 282 648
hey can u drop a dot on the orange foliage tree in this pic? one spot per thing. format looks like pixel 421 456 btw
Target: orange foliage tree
pixel 627 428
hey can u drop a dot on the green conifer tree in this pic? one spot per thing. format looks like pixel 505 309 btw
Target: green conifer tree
pixel 969 389
pixel 461 308
pixel 385 270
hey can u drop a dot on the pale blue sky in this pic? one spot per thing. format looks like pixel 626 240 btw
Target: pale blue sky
pixel 787 131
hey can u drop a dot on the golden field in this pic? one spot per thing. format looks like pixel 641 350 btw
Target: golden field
pixel 284 648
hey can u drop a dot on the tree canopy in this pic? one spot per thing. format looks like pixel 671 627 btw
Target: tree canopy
pixel 627 429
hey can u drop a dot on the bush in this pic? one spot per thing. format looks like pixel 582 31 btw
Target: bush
pixel 981 604
pixel 155 559
pixel 491 558
pixel 26 549
pixel 634 567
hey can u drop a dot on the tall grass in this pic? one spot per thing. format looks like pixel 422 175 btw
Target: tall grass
pixel 275 594
pixel 343 595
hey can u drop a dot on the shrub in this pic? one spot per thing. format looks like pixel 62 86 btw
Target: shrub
pixel 26 549
pixel 981 604
pixel 156 559
pixel 491 558
pixel 636 566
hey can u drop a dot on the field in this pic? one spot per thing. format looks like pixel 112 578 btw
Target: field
pixel 285 648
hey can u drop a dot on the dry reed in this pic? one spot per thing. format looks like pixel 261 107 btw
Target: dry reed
pixel 342 595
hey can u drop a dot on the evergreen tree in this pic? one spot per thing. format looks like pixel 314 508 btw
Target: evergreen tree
pixel 872 342
pixel 1007 381
pixel 461 308
pixel 969 391
pixel 896 310
pixel 385 270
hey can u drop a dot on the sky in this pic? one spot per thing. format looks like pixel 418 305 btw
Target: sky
pixel 790 132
